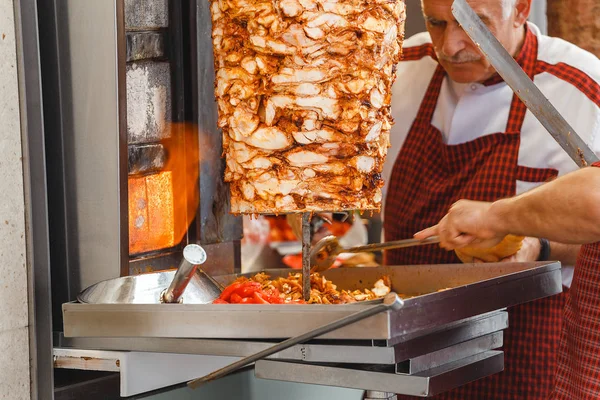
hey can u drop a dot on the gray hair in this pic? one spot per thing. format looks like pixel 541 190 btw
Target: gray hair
pixel 508 7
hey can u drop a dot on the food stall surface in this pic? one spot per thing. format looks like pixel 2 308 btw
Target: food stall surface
pixel 446 334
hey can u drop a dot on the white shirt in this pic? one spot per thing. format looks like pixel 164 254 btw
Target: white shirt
pixel 466 112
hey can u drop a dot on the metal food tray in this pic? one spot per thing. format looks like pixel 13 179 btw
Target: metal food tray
pixel 454 292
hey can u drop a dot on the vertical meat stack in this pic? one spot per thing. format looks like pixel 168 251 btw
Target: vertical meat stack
pixel 304 90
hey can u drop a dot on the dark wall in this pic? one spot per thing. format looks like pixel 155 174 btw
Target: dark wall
pixel 414 18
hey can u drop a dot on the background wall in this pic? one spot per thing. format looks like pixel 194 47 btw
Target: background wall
pixel 577 21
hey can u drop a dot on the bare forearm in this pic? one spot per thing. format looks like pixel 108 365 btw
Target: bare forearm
pixel 565 253
pixel 566 210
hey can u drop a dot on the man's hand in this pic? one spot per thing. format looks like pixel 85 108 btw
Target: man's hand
pixel 468 223
pixel 530 251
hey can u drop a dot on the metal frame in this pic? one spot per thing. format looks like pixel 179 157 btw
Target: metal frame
pixel 36 210
pixel 83 58
pixel 70 91
pixel 138 371
pixel 406 366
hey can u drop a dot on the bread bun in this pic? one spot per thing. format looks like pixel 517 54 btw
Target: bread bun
pixel 506 248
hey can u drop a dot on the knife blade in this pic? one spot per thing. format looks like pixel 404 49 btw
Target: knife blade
pixel 522 85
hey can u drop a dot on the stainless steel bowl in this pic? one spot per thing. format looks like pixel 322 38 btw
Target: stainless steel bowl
pixel 148 289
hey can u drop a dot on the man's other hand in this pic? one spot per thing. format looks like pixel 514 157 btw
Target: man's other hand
pixel 530 251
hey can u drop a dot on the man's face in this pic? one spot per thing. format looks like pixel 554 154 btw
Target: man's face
pixel 460 57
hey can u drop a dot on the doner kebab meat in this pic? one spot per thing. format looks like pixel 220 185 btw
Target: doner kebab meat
pixel 303 90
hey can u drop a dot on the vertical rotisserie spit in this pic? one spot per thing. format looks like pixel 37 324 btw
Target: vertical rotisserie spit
pixel 303 90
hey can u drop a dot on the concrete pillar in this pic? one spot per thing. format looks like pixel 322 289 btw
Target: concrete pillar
pixel 14 332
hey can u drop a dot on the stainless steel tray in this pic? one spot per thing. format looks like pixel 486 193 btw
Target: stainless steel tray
pixel 472 289
pixel 424 384
pixel 361 351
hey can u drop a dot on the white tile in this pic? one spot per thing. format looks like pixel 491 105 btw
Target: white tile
pixel 14 359
pixel 13 272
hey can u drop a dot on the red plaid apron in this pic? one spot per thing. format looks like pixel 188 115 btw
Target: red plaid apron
pixel 578 375
pixel 427 178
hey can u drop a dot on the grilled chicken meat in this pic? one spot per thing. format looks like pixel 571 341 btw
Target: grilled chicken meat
pixel 303 89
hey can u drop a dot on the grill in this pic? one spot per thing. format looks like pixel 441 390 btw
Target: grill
pixel 134 163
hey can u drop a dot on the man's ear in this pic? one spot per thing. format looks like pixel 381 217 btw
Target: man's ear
pixel 523 9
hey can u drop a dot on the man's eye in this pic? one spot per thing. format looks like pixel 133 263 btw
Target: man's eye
pixel 436 23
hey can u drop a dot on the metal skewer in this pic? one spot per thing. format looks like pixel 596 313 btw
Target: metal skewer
pixel 390 302
pixel 306 255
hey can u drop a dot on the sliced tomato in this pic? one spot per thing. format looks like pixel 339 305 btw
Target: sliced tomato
pixel 219 301
pixel 226 294
pixel 236 298
pixel 259 299
pixel 248 300
pixel 248 288
pixel 272 296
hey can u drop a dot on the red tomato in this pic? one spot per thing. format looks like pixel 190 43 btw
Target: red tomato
pixel 236 298
pixel 293 261
pixel 258 299
pixel 226 294
pixel 248 288
pixel 272 296
pixel 219 301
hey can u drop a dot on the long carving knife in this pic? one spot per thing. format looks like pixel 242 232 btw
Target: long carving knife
pixel 522 85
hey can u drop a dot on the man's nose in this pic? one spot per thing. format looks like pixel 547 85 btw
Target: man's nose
pixel 455 39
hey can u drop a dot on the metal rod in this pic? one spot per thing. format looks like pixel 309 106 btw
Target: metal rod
pixel 397 244
pixel 522 85
pixel 390 302
pixel 306 217
pixel 193 255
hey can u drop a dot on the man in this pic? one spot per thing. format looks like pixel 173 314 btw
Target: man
pixel 464 134
pixel 566 210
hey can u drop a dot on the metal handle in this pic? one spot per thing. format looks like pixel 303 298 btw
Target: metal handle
pixel 397 244
pixel 390 302
pixel 193 255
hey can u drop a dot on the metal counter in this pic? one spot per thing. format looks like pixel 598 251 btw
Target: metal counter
pixel 439 340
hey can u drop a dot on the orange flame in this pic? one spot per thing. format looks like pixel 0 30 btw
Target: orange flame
pixel 163 205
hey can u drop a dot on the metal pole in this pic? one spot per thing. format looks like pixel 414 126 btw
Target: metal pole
pixel 193 255
pixel 306 217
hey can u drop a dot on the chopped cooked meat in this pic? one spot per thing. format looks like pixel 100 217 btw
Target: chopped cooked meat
pixel 303 89
pixel 323 291
pixel 380 288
